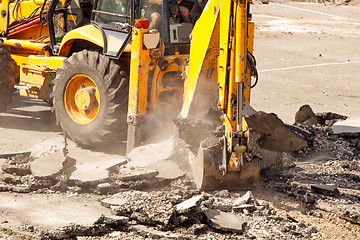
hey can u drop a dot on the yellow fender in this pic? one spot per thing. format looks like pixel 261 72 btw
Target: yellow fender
pixel 88 33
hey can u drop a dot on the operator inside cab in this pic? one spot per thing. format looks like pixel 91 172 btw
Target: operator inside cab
pixel 174 19
pixel 179 11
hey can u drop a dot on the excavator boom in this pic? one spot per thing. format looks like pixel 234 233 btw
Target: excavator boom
pixel 219 70
pixel 219 74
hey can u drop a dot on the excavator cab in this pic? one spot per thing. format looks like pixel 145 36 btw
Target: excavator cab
pixel 173 19
pixel 163 15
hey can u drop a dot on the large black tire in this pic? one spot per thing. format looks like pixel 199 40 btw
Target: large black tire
pixel 112 82
pixel 7 77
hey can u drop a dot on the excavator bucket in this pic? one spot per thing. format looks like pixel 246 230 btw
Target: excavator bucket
pixel 208 167
pixel 209 175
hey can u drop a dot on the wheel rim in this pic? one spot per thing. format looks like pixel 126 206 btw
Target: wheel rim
pixel 82 99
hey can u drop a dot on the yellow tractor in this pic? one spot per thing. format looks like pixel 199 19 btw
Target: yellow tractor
pixel 104 65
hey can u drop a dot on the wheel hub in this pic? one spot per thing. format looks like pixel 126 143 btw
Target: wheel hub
pixel 85 98
pixel 82 99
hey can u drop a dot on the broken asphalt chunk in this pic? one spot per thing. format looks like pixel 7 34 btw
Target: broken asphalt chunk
pixel 17 169
pixel 74 230
pixel 245 199
pixel 135 173
pixel 47 166
pixel 274 134
pixel 225 221
pixel 347 127
pixel 242 207
pixel 15 154
pixel 325 189
pixel 97 165
pixel 309 198
pixel 154 208
pixel 113 221
pixel 306 116
pixel 188 204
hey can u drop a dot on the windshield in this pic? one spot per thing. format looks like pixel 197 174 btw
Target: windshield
pixel 113 11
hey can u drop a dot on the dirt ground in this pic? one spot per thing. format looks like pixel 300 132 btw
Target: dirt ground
pixel 307 53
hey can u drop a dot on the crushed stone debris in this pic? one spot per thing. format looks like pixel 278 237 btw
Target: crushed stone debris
pixel 323 178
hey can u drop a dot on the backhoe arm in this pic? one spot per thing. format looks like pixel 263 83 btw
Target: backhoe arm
pixel 221 40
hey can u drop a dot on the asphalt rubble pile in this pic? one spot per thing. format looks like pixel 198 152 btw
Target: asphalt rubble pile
pixel 53 167
pixel 178 212
pixel 16 176
pixel 326 174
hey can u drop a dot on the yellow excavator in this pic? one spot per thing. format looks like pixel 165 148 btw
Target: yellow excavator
pixel 104 65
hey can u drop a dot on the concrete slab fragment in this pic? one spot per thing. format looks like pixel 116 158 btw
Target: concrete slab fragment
pixel 347 126
pixel 244 199
pixel 225 221
pixel 89 166
pixel 116 221
pixel 147 154
pixel 306 116
pixel 135 173
pixel 188 204
pixel 156 156
pixel 56 144
pixel 92 166
pixel 279 137
pixel 167 169
pixel 96 170
pixel 242 207
pixel 48 165
pixel 115 200
pixel 49 212
pixel 329 190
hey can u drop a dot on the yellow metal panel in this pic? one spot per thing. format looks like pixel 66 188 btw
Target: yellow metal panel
pixel 20 59
pixel 88 33
pixel 139 70
pixel 48 62
pixel 138 88
pixel 224 50
pixel 241 42
pixel 4 7
pixel 32 33
pixel 26 45
pixel 36 72
pixel 24 9
pixel 32 74
pixel 203 47
pixel 38 80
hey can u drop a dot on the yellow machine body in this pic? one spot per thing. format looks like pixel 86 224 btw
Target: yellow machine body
pixel 216 70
